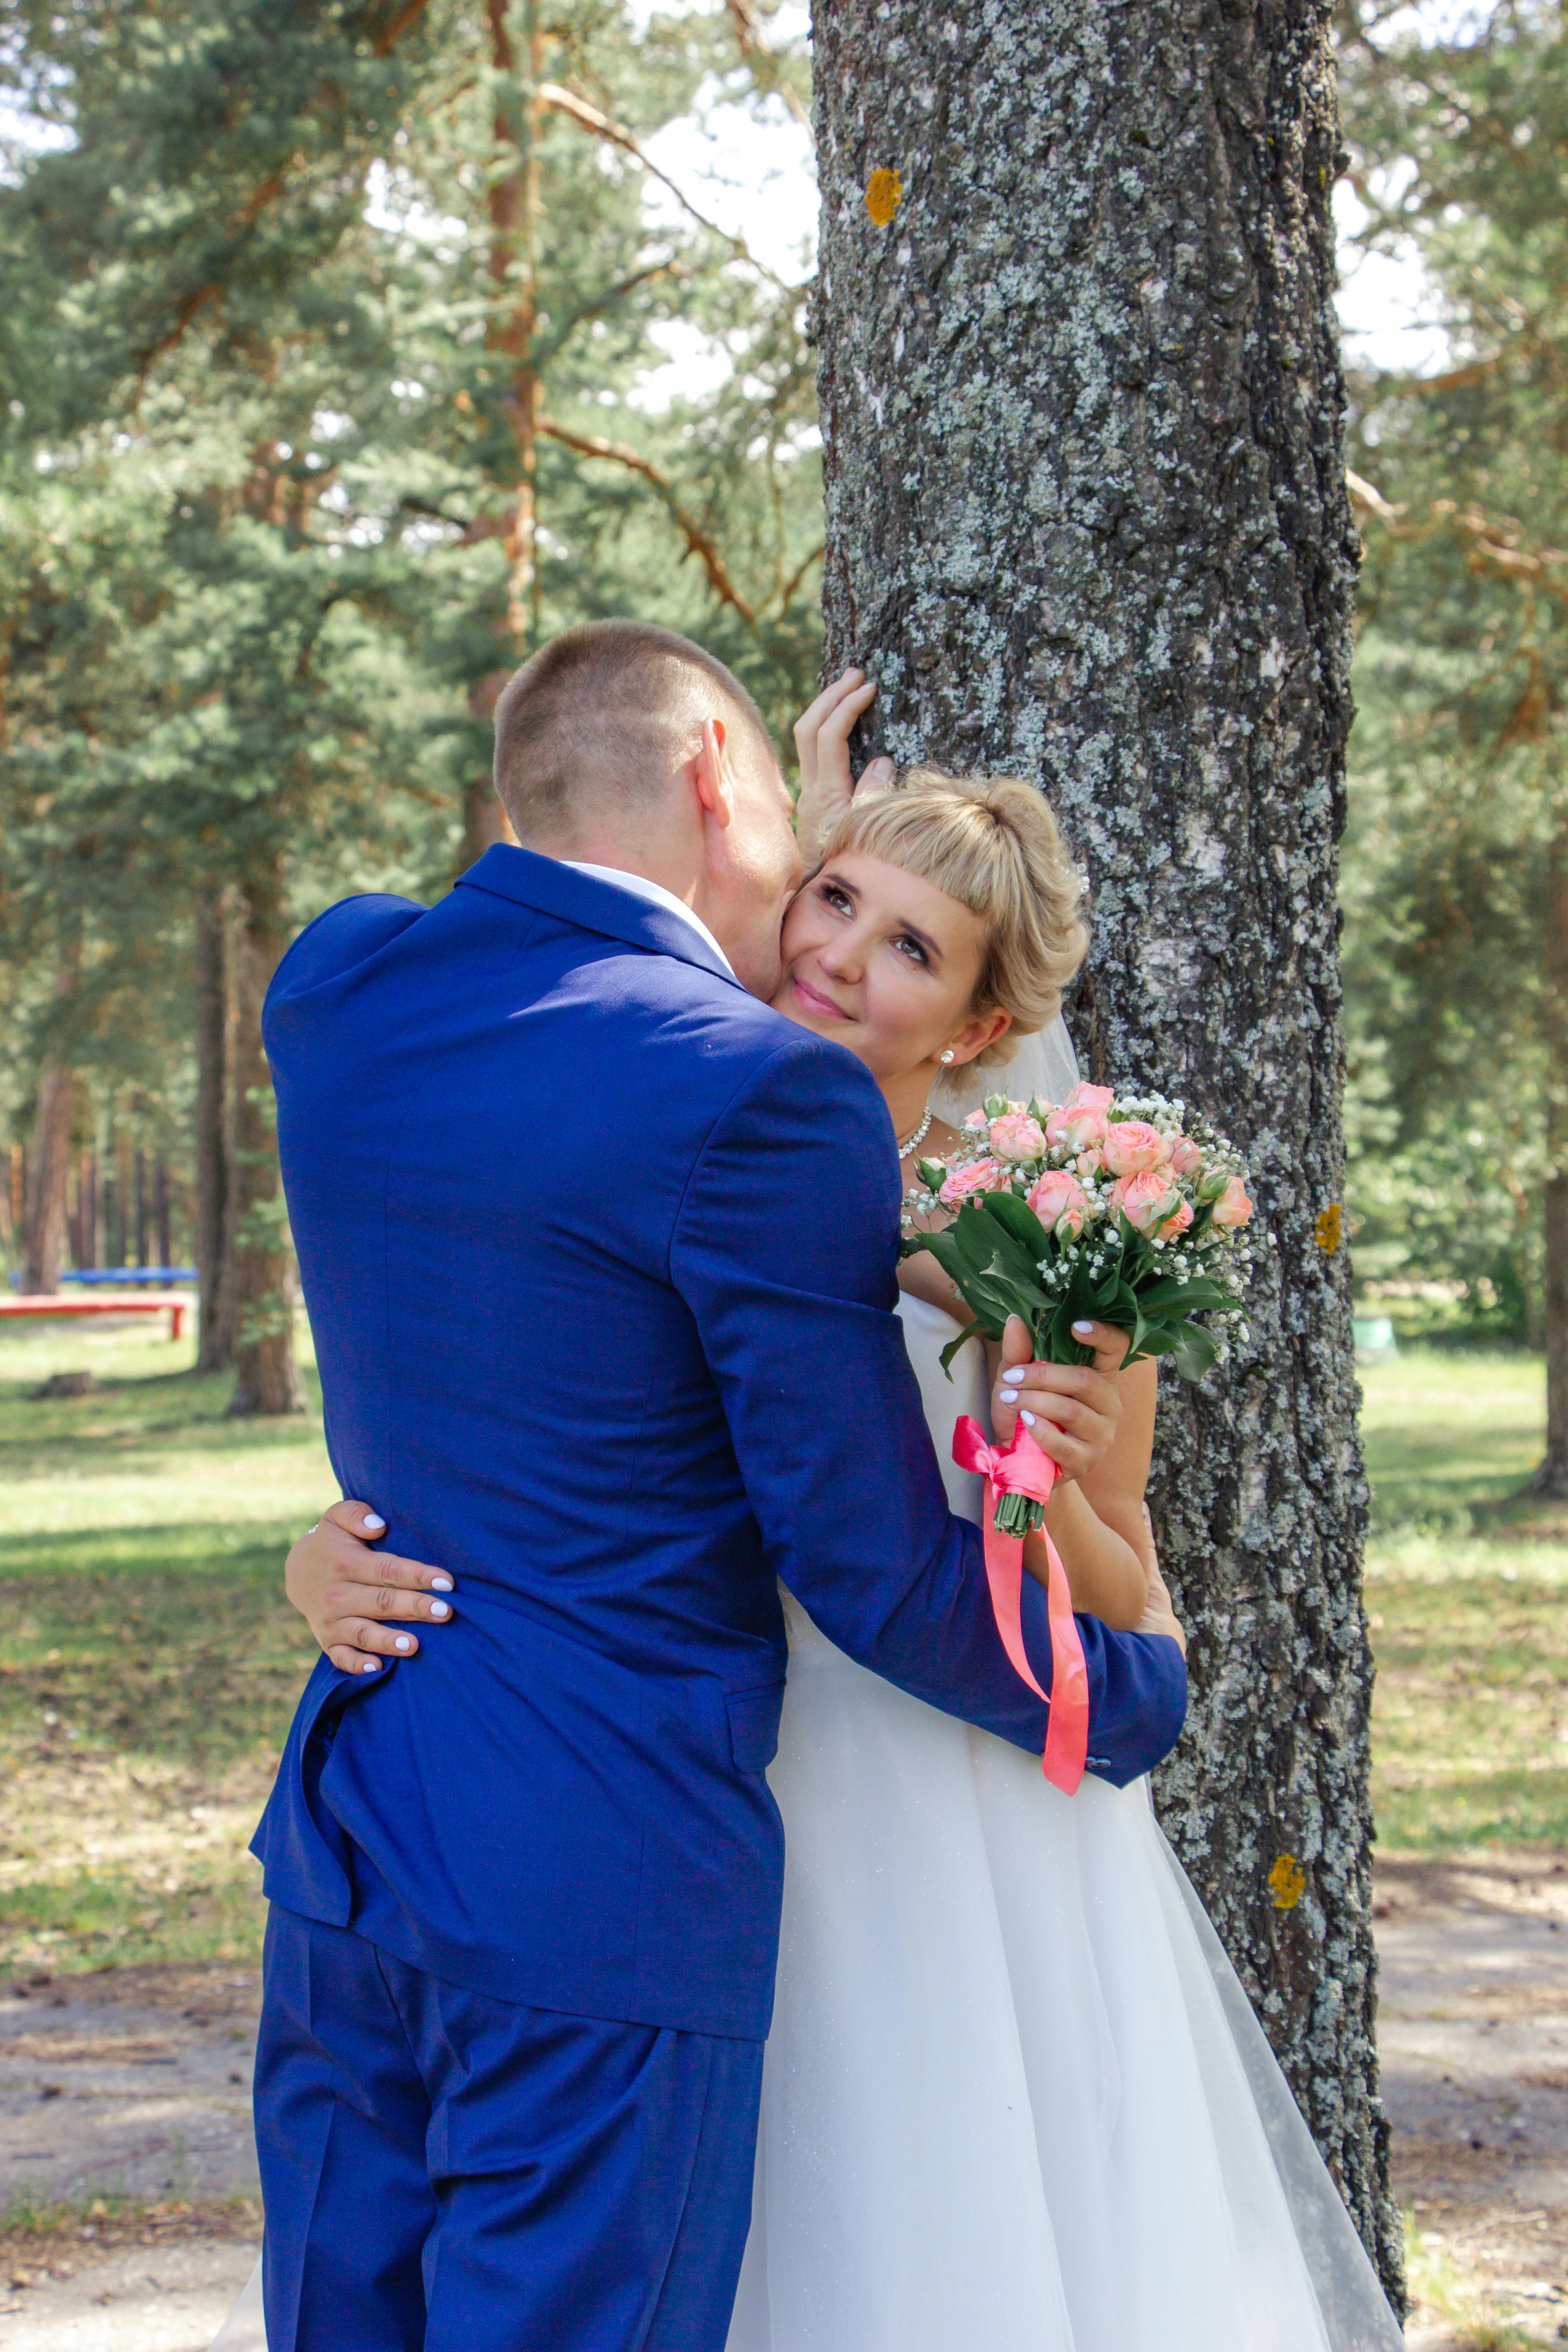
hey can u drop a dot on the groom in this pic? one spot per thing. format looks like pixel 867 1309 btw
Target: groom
pixel 599 1252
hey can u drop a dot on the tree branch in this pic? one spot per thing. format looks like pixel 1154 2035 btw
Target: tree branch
pixel 566 101
pixel 698 542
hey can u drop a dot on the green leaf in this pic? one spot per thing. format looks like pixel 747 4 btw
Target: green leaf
pixel 970 1331
pixel 1193 1352
pixel 1019 1222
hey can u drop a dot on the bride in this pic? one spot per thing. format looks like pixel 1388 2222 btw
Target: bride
pixel 1014 2099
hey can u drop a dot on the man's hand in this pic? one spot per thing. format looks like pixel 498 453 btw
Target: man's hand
pixel 1071 1410
pixel 822 744
pixel 350 1595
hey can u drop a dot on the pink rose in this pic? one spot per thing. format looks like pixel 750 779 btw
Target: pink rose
pixel 985 1176
pixel 1151 1204
pixel 1090 1163
pixel 1076 1125
pixel 1133 1147
pixel 976 1122
pixel 1232 1208
pixel 1061 1203
pixel 1186 1157
pixel 1016 1136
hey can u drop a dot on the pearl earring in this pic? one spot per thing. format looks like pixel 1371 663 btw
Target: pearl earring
pixel 946 1053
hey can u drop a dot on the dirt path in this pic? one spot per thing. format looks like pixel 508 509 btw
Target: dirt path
pixel 125 2126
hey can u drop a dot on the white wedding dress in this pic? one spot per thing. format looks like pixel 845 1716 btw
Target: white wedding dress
pixel 1015 2098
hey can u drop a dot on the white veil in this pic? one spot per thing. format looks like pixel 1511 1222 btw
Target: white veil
pixel 1043 1065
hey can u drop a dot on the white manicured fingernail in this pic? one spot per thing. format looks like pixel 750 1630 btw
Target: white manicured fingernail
pixel 374 1522
pixel 1084 1328
pixel 1028 1419
pixel 372 1667
pixel 439 1608
pixel 403 1643
pixel 1009 1396
pixel 440 1584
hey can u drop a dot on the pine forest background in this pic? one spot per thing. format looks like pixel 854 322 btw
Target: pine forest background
pixel 336 344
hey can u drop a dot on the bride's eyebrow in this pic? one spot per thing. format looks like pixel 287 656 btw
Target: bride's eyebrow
pixel 914 931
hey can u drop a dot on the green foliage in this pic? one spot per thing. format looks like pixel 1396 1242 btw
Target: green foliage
pixel 324 337
pixel 1459 803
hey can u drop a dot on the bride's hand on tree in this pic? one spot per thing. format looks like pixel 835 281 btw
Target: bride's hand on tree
pixel 355 1599
pixel 822 744
pixel 1072 1410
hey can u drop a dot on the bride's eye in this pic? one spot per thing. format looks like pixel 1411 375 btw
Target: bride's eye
pixel 913 948
pixel 838 900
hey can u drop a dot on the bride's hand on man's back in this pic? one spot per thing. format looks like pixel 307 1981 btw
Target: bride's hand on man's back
pixel 1072 1410
pixel 356 1599
pixel 822 744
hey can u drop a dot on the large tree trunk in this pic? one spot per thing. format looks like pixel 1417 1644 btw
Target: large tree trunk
pixel 45 1215
pixel 266 1378
pixel 1086 521
pixel 211 991
pixel 1552 1478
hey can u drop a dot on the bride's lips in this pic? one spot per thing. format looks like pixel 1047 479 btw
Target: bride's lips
pixel 814 1001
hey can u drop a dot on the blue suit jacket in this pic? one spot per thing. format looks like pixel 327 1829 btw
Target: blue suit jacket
pixel 599 1254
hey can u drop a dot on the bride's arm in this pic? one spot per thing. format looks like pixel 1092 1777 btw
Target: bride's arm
pixel 1098 1521
pixel 822 745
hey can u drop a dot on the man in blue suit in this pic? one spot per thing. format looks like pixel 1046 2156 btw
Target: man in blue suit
pixel 599 1252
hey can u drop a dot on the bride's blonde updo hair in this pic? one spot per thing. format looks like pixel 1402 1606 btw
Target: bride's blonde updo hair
pixel 991 843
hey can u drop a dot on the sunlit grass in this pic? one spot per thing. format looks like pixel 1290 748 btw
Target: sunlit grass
pixel 149 1663
pixel 1466 1591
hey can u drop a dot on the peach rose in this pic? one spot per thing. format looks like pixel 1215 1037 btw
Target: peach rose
pixel 1232 1208
pixel 1186 1157
pixel 976 1122
pixel 985 1176
pixel 1016 1136
pixel 1061 1203
pixel 1151 1204
pixel 1133 1147
pixel 1080 1122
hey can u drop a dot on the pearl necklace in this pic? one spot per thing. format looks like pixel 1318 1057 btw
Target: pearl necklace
pixel 918 1138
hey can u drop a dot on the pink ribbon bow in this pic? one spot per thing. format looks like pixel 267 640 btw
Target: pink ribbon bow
pixel 1022 1468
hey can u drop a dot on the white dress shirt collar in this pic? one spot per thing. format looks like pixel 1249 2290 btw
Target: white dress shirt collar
pixel 643 888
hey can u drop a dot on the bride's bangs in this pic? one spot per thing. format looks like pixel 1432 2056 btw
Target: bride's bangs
pixel 992 845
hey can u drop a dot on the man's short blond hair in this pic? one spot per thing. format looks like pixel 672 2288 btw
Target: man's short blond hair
pixel 599 715
pixel 991 843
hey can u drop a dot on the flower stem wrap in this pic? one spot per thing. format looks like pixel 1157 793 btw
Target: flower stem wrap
pixel 1018 1482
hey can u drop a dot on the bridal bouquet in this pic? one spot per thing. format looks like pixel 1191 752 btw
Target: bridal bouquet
pixel 1105 1208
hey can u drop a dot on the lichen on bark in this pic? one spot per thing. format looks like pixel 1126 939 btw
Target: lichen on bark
pixel 1087 522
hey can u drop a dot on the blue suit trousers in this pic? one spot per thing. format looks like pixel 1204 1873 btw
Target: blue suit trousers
pixel 446 2172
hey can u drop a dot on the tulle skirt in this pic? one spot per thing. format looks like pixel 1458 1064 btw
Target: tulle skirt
pixel 1014 2096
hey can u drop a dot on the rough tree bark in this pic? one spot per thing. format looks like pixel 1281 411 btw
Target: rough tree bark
pixel 210 962
pixel 266 1378
pixel 1552 1478
pixel 1086 521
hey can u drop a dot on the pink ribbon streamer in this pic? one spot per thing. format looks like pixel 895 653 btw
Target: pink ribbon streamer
pixel 1022 1468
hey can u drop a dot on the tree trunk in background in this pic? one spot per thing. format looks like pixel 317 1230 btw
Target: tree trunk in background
pixel 1086 521
pixel 266 1378
pixel 210 961
pixel 1552 1478
pixel 45 1196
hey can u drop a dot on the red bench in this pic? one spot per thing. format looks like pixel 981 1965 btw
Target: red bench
pixel 171 1302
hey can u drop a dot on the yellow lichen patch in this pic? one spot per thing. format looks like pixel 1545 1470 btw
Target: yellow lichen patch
pixel 1287 1883
pixel 884 195
pixel 1330 1228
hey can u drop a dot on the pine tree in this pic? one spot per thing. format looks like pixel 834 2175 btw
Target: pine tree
pixel 1086 521
pixel 1461 845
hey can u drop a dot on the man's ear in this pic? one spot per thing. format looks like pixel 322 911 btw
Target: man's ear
pixel 711 773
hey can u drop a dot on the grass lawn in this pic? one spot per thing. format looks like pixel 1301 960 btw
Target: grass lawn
pixel 149 1662
pixel 1466 1591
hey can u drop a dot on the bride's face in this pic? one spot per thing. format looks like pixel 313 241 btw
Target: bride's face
pixel 887 964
